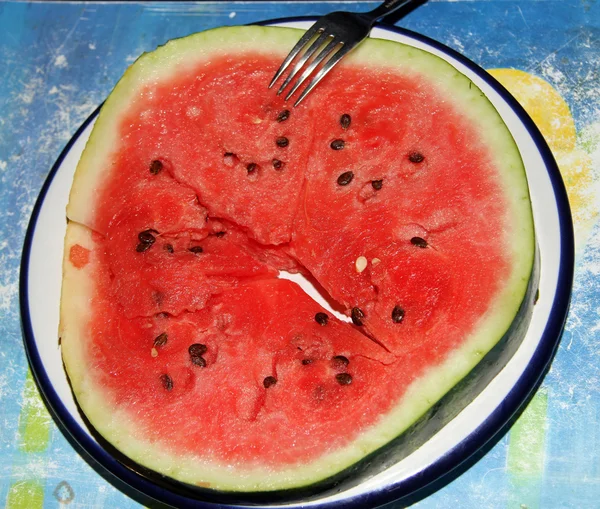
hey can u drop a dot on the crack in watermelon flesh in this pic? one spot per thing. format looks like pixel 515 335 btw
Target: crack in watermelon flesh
pixel 255 208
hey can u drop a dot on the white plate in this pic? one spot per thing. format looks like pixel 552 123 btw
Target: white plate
pixel 483 419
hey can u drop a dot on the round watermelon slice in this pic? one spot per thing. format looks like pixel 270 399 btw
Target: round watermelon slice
pixel 395 187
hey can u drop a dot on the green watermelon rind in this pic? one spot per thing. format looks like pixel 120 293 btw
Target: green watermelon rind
pixel 115 424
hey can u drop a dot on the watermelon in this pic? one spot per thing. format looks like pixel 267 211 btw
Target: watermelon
pixel 395 188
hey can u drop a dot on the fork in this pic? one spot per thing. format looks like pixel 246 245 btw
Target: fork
pixel 339 32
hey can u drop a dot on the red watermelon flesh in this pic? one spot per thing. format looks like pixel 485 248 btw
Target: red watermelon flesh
pixel 250 333
pixel 401 214
pixel 184 264
pixel 414 182
pixel 249 167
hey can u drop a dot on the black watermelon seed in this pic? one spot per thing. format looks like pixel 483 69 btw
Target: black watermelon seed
pixel 196 249
pixel 146 237
pixel 416 157
pixel 143 246
pixel 251 168
pixel 169 248
pixel 198 360
pixel 283 116
pixel 282 141
pixel 397 314
pixel 220 234
pixel 322 318
pixel 167 382
pixel 345 121
pixel 197 350
pixel 345 178
pixel 269 381
pixel 156 166
pixel 228 154
pixel 357 315
pixel 337 144
pixel 419 242
pixel 537 296
pixel 339 361
pixel 377 184
pixel 319 393
pixel 343 378
pixel 306 362
pixel 277 164
pixel 161 339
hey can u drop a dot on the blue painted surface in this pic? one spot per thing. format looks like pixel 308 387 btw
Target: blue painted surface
pixel 59 61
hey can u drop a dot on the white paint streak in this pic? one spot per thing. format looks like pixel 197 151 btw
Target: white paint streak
pixel 523 18
pixel 61 62
pixel 8 292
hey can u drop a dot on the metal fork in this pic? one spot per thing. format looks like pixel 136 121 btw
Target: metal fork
pixel 339 32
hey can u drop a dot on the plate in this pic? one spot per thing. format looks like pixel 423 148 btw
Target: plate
pixel 457 439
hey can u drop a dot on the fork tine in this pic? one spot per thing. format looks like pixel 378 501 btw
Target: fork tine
pixel 325 69
pixel 309 34
pixel 308 71
pixel 302 61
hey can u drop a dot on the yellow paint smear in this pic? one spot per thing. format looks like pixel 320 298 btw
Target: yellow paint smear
pixel 25 495
pixel 552 116
pixel 34 420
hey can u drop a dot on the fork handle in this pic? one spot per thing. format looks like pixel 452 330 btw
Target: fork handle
pixel 386 8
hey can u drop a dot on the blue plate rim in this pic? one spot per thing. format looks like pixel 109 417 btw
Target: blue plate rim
pixel 435 475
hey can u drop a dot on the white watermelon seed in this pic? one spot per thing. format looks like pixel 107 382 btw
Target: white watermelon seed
pixel 361 264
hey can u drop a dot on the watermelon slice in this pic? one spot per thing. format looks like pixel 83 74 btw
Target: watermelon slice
pixel 395 187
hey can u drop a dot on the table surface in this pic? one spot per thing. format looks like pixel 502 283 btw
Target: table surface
pixel 60 60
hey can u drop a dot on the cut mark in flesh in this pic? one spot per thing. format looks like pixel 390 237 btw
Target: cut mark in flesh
pixel 315 291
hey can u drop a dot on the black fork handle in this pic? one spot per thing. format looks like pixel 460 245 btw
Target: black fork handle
pixel 386 8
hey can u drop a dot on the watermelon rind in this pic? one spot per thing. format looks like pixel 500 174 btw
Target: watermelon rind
pixel 92 173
